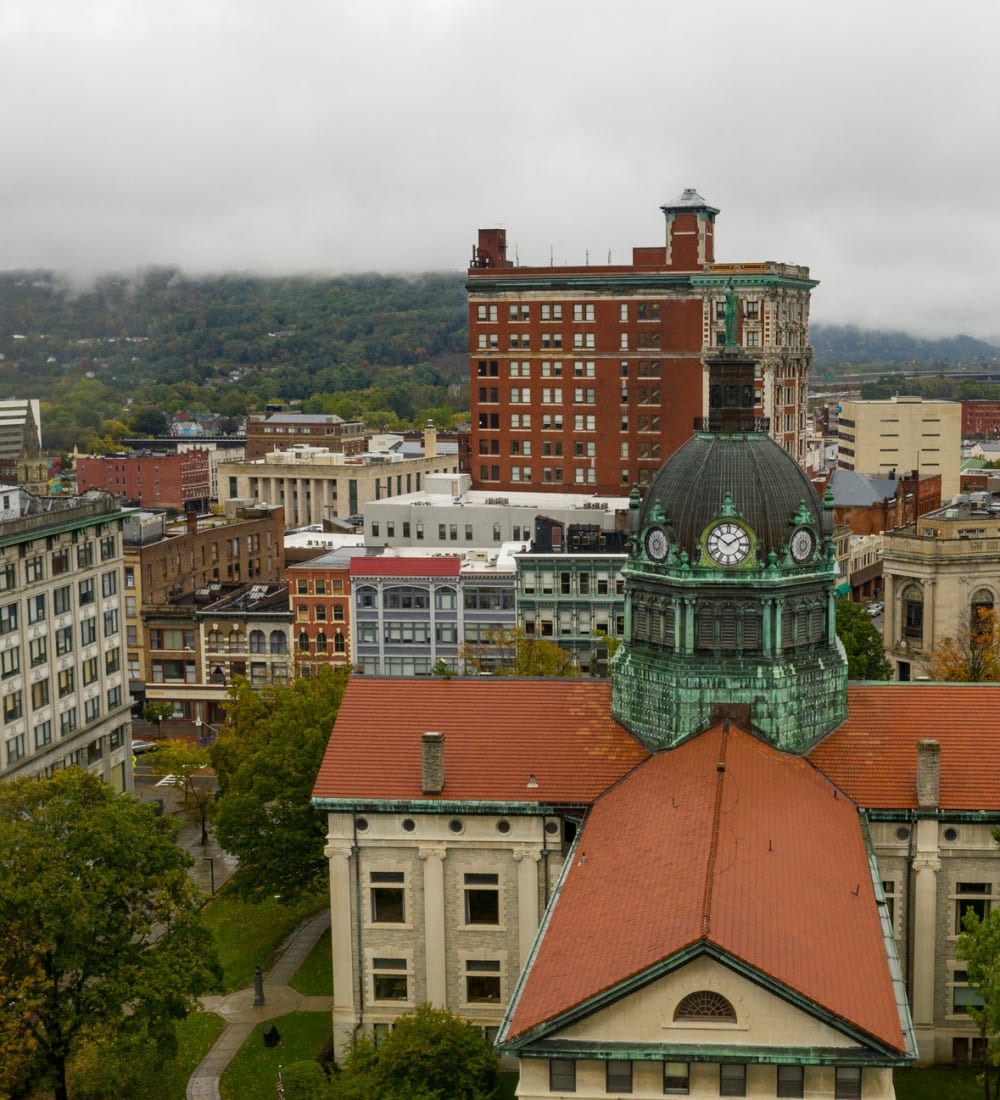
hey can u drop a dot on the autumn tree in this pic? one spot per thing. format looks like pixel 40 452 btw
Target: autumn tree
pixel 156 710
pixel 866 659
pixel 514 653
pixel 979 946
pixel 972 656
pixel 190 767
pixel 266 758
pixel 428 1054
pixel 102 940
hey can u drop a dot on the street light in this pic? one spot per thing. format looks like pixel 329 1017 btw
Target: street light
pixel 202 739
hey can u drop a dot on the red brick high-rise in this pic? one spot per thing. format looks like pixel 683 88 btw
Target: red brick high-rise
pixel 587 378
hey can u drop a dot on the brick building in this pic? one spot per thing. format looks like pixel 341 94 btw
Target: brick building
pixel 319 596
pixel 180 481
pixel 277 431
pixel 981 417
pixel 590 376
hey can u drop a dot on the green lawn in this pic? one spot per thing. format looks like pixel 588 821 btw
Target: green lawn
pixel 253 1073
pixel 937 1083
pixel 195 1037
pixel 314 978
pixel 248 935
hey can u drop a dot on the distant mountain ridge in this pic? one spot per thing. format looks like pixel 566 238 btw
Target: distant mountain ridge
pixel 844 345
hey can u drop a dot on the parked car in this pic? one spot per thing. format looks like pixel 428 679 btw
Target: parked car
pixel 140 747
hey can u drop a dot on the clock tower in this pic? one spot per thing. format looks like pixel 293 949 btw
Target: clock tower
pixel 729 584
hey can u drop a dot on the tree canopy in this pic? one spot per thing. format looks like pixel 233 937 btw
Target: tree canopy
pixel 514 653
pixel 188 764
pixel 101 938
pixel 266 758
pixel 866 659
pixel 428 1055
pixel 972 656
pixel 979 946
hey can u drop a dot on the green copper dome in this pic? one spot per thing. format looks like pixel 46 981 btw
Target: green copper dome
pixel 766 485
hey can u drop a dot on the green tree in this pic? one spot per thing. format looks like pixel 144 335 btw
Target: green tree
pixel 103 940
pixel 979 946
pixel 866 659
pixel 973 656
pixel 305 1081
pixel 189 764
pixel 149 421
pixel 266 759
pixel 429 1055
pixel 156 710
pixel 514 653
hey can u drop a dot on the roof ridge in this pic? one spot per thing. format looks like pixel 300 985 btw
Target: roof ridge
pixel 713 851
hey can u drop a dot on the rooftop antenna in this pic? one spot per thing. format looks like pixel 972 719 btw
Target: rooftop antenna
pixel 587 254
pixel 552 256
pixel 517 257
pixel 609 257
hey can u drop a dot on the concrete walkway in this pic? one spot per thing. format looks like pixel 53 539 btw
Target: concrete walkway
pixel 242 1016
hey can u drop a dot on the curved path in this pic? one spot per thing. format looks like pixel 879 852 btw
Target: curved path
pixel 242 1015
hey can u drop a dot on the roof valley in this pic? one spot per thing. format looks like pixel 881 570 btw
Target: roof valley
pixel 713 851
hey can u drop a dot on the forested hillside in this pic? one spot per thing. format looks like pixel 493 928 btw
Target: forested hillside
pixel 390 349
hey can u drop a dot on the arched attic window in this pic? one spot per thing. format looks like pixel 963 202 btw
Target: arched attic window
pixel 982 602
pixel 704 1005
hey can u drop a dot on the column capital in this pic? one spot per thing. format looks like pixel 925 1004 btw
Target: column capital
pixel 927 863
pixel 432 853
pixel 527 853
pixel 334 850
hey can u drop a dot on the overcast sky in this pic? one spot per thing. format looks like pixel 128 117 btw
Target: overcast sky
pixel 860 138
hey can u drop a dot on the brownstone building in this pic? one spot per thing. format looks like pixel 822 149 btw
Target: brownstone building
pixel 590 376
pixel 277 431
pixel 981 417
pixel 173 572
pixel 181 481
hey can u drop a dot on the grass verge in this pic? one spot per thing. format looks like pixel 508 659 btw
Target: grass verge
pixel 314 978
pixel 195 1037
pixel 248 935
pixel 253 1073
pixel 937 1083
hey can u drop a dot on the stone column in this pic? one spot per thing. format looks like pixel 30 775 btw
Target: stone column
pixel 346 1009
pixel 527 860
pixel 435 966
pixel 923 936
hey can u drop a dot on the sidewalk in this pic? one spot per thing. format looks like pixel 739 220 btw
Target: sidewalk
pixel 242 1016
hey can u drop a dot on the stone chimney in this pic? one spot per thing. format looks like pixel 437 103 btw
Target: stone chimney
pixel 430 440
pixel 432 761
pixel 928 774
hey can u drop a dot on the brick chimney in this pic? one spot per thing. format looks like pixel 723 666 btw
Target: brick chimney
pixel 928 774
pixel 432 761
pixel 192 523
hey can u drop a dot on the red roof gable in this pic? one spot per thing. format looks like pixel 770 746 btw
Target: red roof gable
pixel 873 755
pixel 497 734
pixel 760 858
pixel 384 566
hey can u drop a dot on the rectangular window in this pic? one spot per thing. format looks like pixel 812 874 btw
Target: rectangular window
pixel 10 662
pixel 847 1084
pixel 388 897
pixel 791 1081
pixel 62 601
pixel 618 1077
pixel 8 618
pixel 974 896
pixel 60 561
pixel 676 1078
pixel 36 609
pixel 389 979
pixel 732 1080
pixel 110 623
pixel 562 1075
pixel 109 584
pixel 34 569
pixel 86 589
pixel 64 641
pixel 8 576
pixel 40 694
pixel 482 899
pixel 13 706
pixel 38 651
pixel 89 670
pixel 67 682
pixel 68 722
pixel 482 981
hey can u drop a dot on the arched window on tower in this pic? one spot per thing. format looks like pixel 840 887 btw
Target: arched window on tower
pixel 982 606
pixel 913 613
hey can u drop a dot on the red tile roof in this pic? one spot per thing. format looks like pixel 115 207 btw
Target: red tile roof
pixel 873 755
pixel 383 566
pixel 497 734
pixel 762 859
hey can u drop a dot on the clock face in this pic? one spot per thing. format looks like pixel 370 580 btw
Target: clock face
pixel 802 544
pixel 657 544
pixel 728 544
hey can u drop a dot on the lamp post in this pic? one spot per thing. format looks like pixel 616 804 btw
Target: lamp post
pixel 210 860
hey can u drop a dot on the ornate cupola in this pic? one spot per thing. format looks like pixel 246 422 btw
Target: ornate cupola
pixel 729 583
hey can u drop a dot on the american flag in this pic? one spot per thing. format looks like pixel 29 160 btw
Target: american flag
pixel 281 1086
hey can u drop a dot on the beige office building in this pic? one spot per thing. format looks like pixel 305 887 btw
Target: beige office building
pixel 900 435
